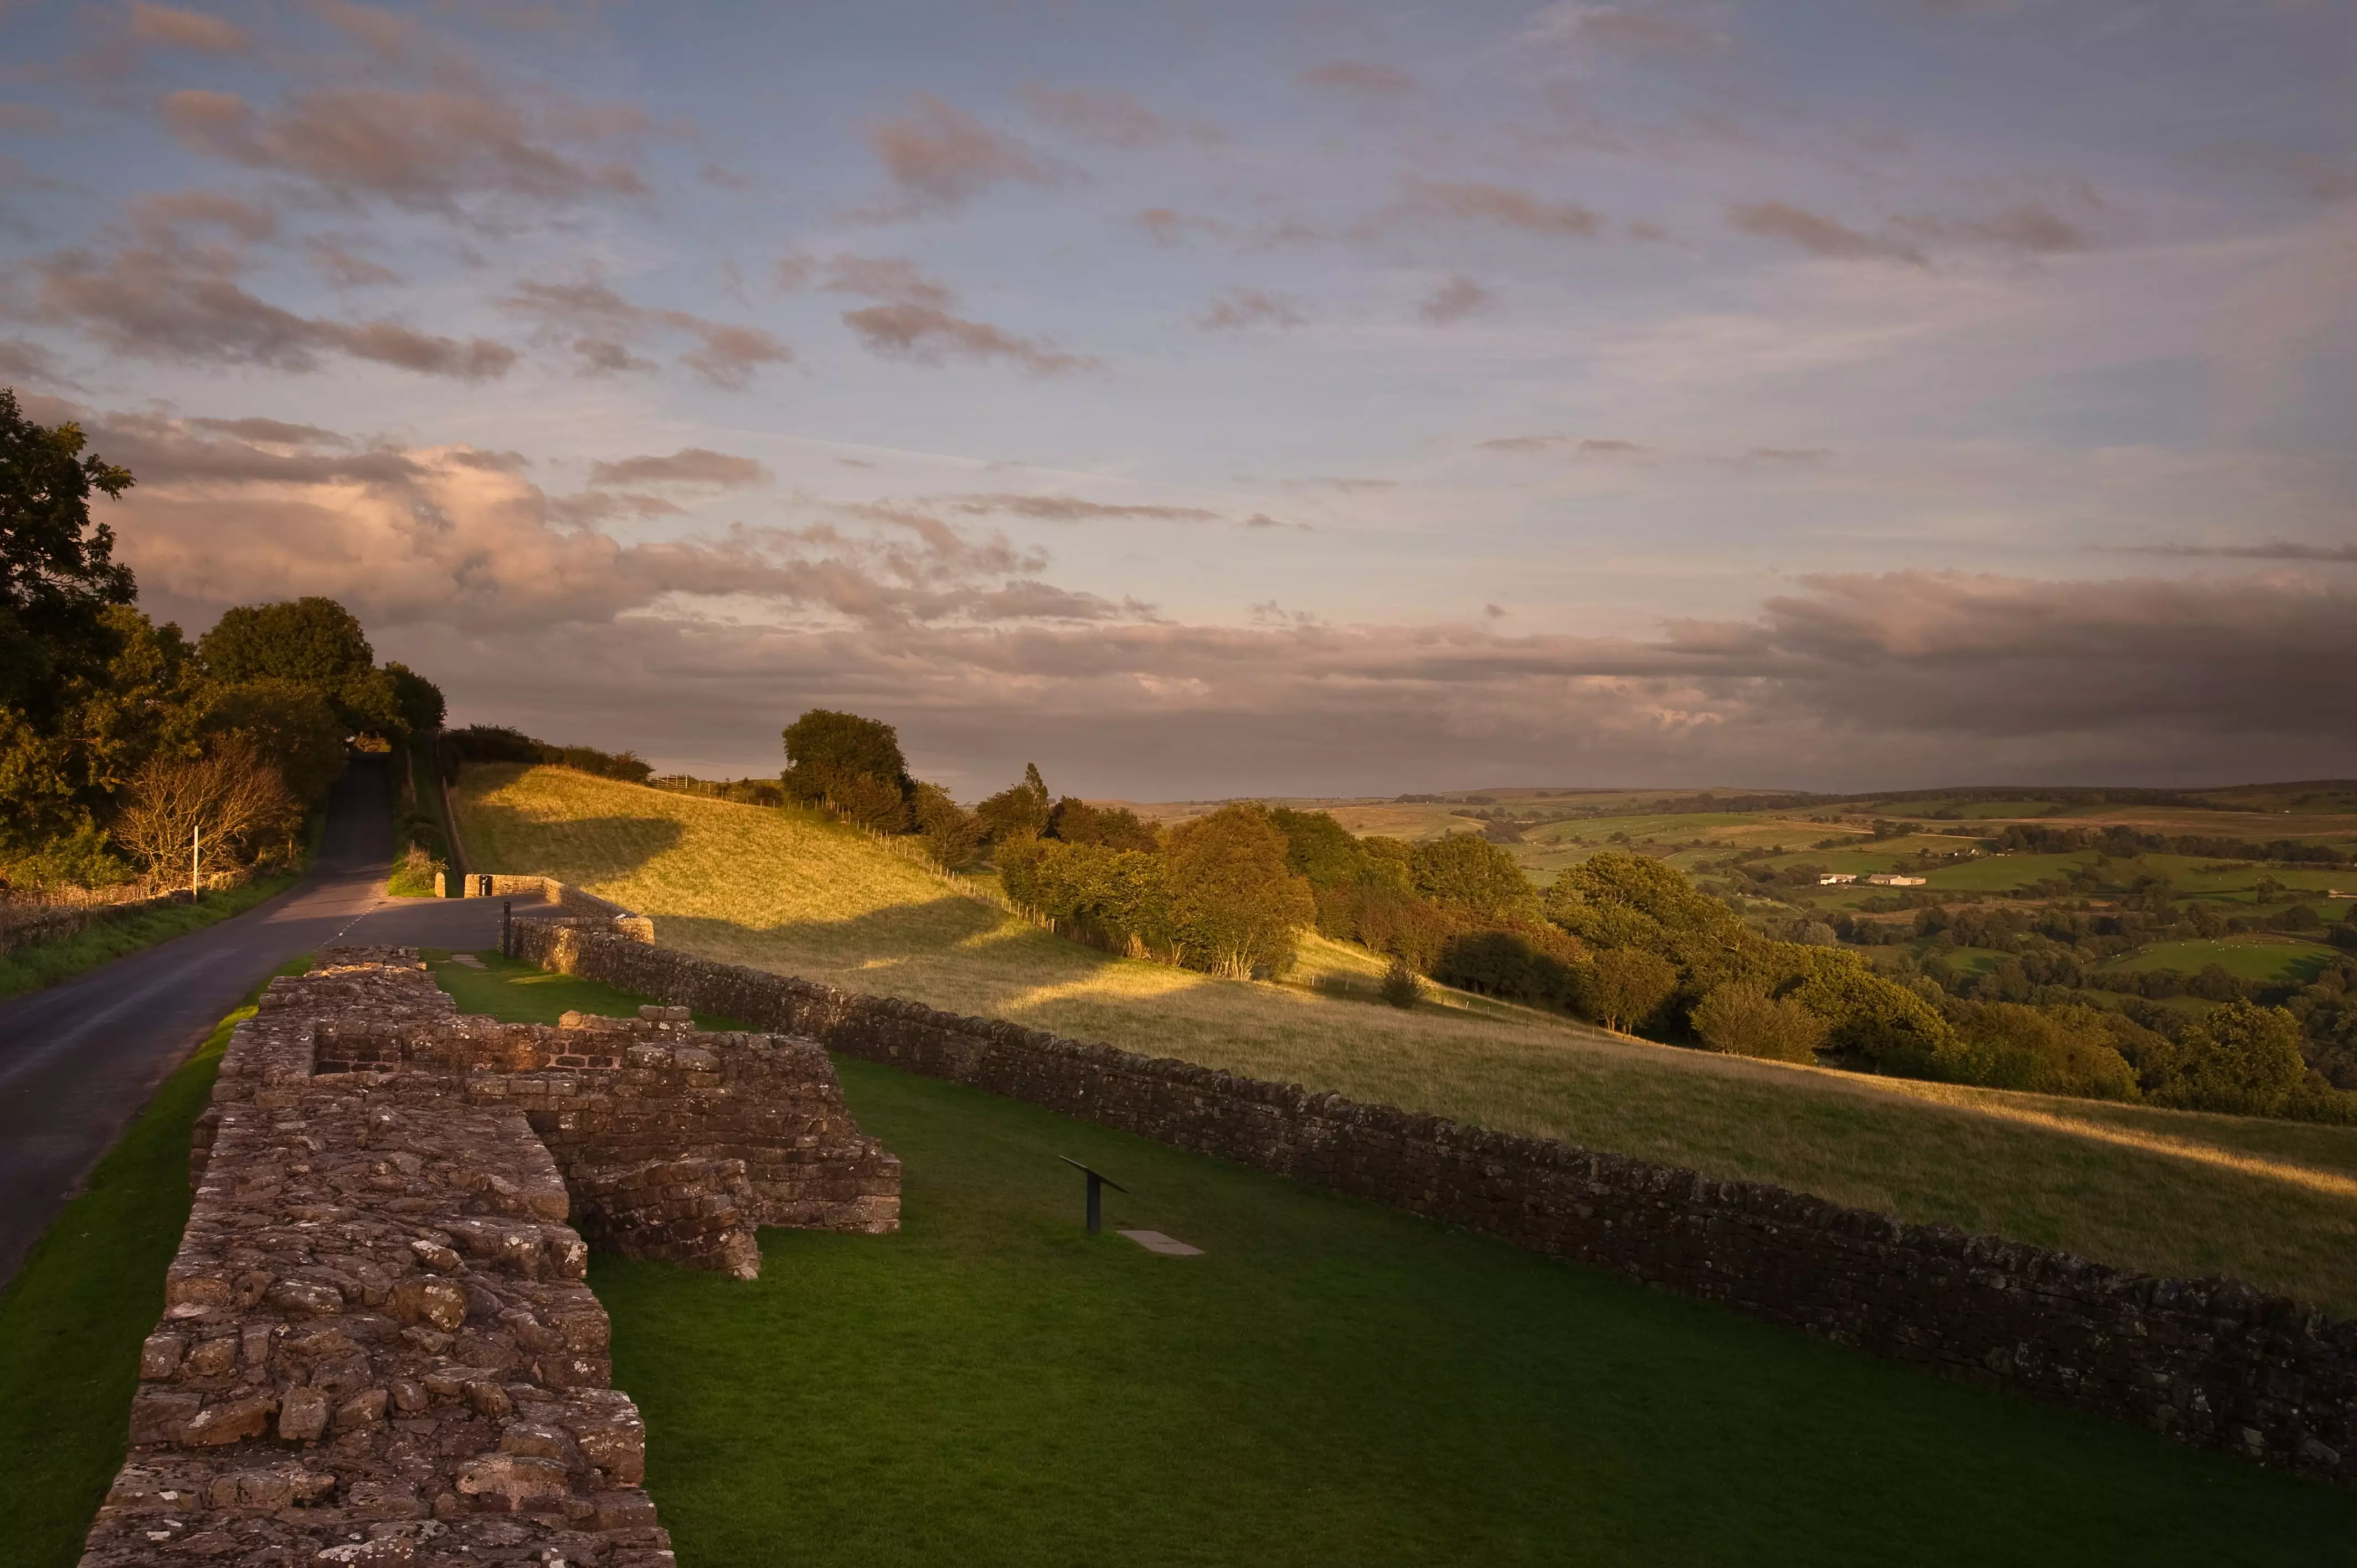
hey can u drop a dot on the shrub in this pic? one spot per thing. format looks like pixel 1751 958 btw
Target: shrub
pixel 1517 966
pixel 1018 811
pixel 1235 908
pixel 873 803
pixel 1075 820
pixel 225 806
pixel 953 834
pixel 413 872
pixel 1740 1018
pixel 2060 1051
pixel 1400 986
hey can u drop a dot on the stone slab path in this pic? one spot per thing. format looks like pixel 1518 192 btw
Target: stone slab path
pixel 1169 1246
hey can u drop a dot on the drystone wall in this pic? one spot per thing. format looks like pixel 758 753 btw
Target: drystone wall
pixel 2211 1362
pixel 377 1347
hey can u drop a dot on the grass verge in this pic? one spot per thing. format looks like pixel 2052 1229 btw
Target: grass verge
pixel 1331 1383
pixel 46 964
pixel 72 1319
pixel 2168 1192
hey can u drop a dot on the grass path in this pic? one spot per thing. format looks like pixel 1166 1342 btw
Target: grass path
pixel 72 1320
pixel 1331 1383
pixel 2169 1192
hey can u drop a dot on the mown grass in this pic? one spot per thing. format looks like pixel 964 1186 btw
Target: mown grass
pixel 72 1319
pixel 1330 1383
pixel 2169 1192
pixel 46 964
pixel 2259 956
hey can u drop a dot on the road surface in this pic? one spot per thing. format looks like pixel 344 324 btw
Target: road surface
pixel 79 1059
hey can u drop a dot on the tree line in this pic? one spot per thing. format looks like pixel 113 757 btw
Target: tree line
pixel 125 745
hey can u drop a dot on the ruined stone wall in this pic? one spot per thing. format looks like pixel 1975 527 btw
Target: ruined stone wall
pixel 377 1347
pixel 2211 1362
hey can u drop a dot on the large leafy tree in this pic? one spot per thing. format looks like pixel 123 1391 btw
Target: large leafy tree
pixel 850 762
pixel 57 571
pixel 314 643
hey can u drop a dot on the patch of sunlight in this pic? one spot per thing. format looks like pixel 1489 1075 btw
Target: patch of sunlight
pixel 1148 980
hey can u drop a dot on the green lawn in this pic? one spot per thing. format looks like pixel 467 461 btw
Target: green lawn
pixel 1332 1382
pixel 72 1319
pixel 46 964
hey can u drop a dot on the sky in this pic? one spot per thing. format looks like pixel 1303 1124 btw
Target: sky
pixel 1218 399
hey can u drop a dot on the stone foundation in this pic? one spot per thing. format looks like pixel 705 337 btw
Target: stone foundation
pixel 377 1347
pixel 2211 1362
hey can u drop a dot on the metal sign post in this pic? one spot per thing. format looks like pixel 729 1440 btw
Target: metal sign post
pixel 1097 1183
pixel 507 929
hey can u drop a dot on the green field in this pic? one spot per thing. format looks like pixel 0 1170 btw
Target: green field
pixel 72 1319
pixel 2255 957
pixel 2165 1191
pixel 1331 1383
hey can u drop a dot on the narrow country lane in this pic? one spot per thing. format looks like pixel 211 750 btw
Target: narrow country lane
pixel 79 1059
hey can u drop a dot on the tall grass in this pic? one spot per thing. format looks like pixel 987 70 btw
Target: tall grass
pixel 791 891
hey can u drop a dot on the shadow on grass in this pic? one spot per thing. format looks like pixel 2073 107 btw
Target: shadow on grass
pixel 602 848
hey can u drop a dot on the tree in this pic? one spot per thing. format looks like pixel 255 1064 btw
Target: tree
pixel 953 834
pixel 1018 811
pixel 1742 1019
pixel 312 641
pixel 1623 985
pixel 190 813
pixel 2045 1050
pixel 1074 820
pixel 1234 907
pixel 418 700
pixel 1469 872
pixel 290 724
pixel 57 571
pixel 1400 986
pixel 851 763
pixel 1875 1021
pixel 2241 1057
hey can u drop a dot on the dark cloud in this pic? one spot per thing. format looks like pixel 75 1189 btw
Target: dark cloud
pixel 173 28
pixel 1818 234
pixel 1474 201
pixel 600 326
pixel 1362 77
pixel 272 431
pixel 1100 116
pixel 1169 228
pixel 2272 549
pixel 1454 300
pixel 24 362
pixel 1233 309
pixel 423 150
pixel 940 155
pixel 689 465
pixel 924 335
pixel 151 303
pixel 1071 509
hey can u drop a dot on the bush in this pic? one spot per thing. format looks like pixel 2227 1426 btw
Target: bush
pixel 953 834
pixel 1741 1019
pixel 2060 1050
pixel 1400 986
pixel 413 872
pixel 1018 811
pixel 1870 1020
pixel 1516 965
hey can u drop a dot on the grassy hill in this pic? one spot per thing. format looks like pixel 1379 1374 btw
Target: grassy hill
pixel 2171 1192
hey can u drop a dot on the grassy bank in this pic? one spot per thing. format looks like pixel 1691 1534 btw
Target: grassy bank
pixel 1330 1383
pixel 2170 1192
pixel 46 964
pixel 72 1319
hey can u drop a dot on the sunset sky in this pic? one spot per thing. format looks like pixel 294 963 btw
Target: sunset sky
pixel 1215 399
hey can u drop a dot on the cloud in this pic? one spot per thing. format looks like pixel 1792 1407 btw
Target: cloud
pixel 29 117
pixel 940 155
pixel 1788 454
pixel 1818 234
pixel 1622 30
pixel 148 303
pixel 602 325
pixel 2272 549
pixel 2317 176
pixel 272 431
pixel 1233 309
pixel 24 362
pixel 688 465
pixel 1100 116
pixel 893 279
pixel 1454 300
pixel 159 217
pixel 2029 228
pixel 1071 509
pixel 185 29
pixel 1474 201
pixel 1362 77
pixel 1588 447
pixel 1169 228
pixel 924 335
pixel 1349 487
pixel 343 269
pixel 425 150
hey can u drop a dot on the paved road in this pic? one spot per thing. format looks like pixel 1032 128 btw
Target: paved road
pixel 79 1059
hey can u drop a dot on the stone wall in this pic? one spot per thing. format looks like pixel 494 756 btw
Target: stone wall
pixel 377 1347
pixel 2211 1362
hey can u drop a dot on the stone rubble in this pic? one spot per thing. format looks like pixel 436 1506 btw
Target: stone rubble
pixel 376 1346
